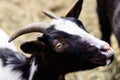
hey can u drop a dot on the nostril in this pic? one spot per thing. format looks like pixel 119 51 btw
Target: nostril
pixel 106 47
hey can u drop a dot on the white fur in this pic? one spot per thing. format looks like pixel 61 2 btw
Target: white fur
pixel 72 28
pixel 32 70
pixel 4 41
pixel 6 73
pixel 68 27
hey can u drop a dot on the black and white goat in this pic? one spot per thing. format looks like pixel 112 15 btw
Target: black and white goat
pixel 8 57
pixel 65 46
pixel 109 18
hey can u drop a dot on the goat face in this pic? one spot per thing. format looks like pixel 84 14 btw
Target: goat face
pixel 67 47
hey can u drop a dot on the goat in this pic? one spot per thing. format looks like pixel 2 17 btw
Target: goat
pixel 8 57
pixel 109 16
pixel 64 47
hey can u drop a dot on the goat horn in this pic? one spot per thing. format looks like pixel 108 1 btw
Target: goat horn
pixel 33 27
pixel 50 14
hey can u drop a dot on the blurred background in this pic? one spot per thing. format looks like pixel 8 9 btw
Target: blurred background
pixel 17 13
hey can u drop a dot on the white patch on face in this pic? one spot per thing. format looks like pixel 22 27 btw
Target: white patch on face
pixel 33 68
pixel 68 27
pixel 6 73
pixel 72 28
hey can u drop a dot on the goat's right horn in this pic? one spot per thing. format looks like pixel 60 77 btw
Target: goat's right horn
pixel 33 27
pixel 50 14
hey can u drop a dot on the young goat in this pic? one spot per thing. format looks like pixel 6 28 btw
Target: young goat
pixel 64 47
pixel 109 18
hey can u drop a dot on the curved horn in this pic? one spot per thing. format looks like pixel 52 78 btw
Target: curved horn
pixel 33 27
pixel 50 14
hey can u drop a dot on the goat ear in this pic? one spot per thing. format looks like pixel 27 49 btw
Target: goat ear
pixel 33 47
pixel 75 11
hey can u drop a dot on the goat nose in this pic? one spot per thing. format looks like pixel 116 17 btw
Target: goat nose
pixel 106 47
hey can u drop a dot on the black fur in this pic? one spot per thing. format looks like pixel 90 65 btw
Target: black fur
pixel 76 54
pixel 108 13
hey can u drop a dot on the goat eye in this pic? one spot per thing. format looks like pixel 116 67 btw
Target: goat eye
pixel 58 46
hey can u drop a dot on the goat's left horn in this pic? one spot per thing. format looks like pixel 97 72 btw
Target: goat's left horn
pixel 50 14
pixel 33 27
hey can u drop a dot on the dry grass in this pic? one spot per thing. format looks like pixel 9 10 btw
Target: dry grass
pixel 17 13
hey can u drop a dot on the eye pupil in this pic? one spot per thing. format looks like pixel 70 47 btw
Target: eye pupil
pixel 58 46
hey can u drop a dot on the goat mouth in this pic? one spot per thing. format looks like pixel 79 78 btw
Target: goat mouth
pixel 104 60
pixel 109 56
pixel 109 59
pixel 99 61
